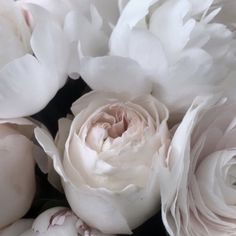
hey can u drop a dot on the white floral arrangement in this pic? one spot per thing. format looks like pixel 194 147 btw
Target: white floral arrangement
pixel 117 117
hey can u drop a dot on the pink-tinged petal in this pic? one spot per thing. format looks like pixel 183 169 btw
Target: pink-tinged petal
pixel 176 168
pixel 17 178
pixel 99 74
pixel 97 207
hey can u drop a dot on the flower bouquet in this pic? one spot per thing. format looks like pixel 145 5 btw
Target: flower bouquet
pixel 117 117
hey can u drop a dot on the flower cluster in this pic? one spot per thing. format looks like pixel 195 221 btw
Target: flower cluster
pixel 151 125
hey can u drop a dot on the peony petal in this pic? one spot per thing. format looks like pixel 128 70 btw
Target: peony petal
pixel 146 49
pixel 99 74
pixel 22 79
pixel 172 13
pixel 55 221
pixel 17 178
pixel 133 12
pixel 17 228
pixel 92 40
pixel 199 6
pixel 191 76
pixel 108 9
pixel 51 47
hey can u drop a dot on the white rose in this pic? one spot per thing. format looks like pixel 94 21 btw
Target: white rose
pixel 17 182
pixel 109 167
pixel 33 61
pixel 59 221
pixel 198 177
pixel 173 49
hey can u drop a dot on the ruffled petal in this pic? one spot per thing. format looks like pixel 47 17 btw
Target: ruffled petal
pixel 93 40
pixel 51 47
pixel 133 12
pixel 99 74
pixel 168 20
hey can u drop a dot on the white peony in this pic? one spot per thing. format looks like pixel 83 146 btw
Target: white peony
pixel 198 176
pixel 17 164
pixel 90 22
pixel 34 57
pixel 111 153
pixel 174 49
pixel 59 221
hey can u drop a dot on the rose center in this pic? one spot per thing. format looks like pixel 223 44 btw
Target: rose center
pixel 110 124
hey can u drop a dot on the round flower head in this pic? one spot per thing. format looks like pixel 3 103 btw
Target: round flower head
pixel 111 153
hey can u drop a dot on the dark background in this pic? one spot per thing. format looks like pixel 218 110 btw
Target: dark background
pixel 47 196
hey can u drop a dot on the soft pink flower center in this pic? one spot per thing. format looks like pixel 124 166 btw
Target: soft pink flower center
pixel 110 123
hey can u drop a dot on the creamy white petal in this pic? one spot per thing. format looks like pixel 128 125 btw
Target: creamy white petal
pixel 133 12
pixel 175 170
pixel 99 74
pixel 17 178
pixel 172 13
pixel 17 228
pixel 22 79
pixel 47 143
pixel 51 48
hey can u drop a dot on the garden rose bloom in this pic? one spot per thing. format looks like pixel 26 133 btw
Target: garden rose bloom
pixel 59 221
pixel 198 177
pixel 174 49
pixel 111 153
pixel 17 182
pixel 34 56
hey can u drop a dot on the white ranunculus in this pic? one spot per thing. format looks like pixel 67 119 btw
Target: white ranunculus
pixel 198 177
pixel 174 49
pixel 111 153
pixel 17 182
pixel 59 221
pixel 34 54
